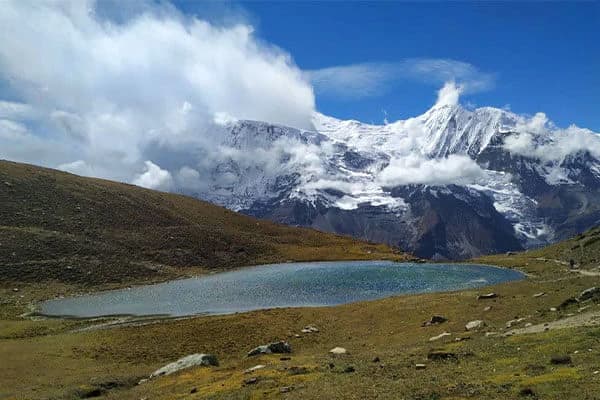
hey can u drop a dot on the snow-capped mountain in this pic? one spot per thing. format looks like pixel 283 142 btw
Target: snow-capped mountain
pixel 450 183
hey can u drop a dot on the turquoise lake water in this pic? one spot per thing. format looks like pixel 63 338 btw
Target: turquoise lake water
pixel 307 284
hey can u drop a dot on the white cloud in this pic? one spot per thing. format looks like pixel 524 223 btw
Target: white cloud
pixel 15 110
pixel 12 130
pixel 154 178
pixel 107 93
pixel 188 177
pixel 414 169
pixel 449 94
pixel 353 81
pixel 78 167
pixel 372 79
pixel 539 138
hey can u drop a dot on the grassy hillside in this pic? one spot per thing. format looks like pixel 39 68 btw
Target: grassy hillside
pixel 59 227
pixel 385 340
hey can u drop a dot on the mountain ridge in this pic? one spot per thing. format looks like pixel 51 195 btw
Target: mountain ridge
pixel 520 163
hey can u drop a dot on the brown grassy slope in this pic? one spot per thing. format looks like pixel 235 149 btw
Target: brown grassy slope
pixel 583 249
pixel 76 230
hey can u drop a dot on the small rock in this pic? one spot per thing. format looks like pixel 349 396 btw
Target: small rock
pixel 527 325
pixel 310 329
pixel 192 360
pixel 487 296
pixel 434 320
pixel 560 360
pixel 552 308
pixel 527 392
pixel 436 355
pixel 255 368
pixel 420 366
pixel 349 369
pixel 512 322
pixel 376 360
pixel 15 290
pixel 194 390
pixel 338 351
pixel 596 372
pixel 298 370
pixel 440 336
pixel 250 381
pixel 297 336
pixel 285 358
pixel 275 347
pixel 286 389
pixel 488 334
pixel 540 294
pixel 474 325
pixel 488 308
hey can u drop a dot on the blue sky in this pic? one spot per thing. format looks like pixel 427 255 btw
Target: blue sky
pixel 541 56
pixel 141 91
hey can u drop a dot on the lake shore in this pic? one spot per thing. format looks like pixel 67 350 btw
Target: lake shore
pixel 488 365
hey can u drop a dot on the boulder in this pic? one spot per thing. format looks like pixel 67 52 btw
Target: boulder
pixel 515 321
pixel 310 329
pixel 561 360
pixel 527 392
pixel 487 296
pixel 567 302
pixel 474 325
pixel 338 351
pixel 434 320
pixel 255 368
pixel 275 347
pixel 588 294
pixel 193 360
pixel 438 355
pixel 440 336
pixel 349 369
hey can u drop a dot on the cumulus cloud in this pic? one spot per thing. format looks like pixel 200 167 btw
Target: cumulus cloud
pixel 154 178
pixel 413 169
pixel 109 93
pixel 449 94
pixel 539 138
pixel 373 79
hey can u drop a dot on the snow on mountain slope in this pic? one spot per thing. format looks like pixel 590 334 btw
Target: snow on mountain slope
pixel 519 163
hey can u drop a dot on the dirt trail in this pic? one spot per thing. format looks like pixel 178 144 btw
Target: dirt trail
pixel 587 272
pixel 590 318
